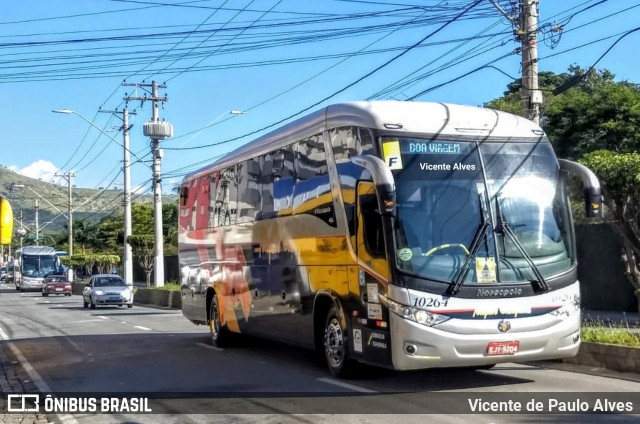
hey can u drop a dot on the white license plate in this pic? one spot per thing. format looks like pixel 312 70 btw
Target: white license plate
pixel 502 348
pixel 58 289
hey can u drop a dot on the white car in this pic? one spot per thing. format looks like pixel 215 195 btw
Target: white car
pixel 107 289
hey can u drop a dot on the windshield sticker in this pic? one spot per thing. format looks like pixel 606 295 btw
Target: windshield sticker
pixel 405 254
pixel 392 157
pixel 486 270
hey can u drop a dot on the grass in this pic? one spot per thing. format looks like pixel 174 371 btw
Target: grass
pixel 170 285
pixel 598 331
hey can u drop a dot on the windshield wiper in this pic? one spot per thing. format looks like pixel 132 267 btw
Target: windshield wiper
pixel 455 285
pixel 504 228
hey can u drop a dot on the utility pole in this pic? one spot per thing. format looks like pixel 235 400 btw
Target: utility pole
pixel 37 239
pixel 157 131
pixel 526 30
pixel 127 260
pixel 68 176
pixel 531 95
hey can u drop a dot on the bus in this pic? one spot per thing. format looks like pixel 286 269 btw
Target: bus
pixel 32 265
pixel 406 235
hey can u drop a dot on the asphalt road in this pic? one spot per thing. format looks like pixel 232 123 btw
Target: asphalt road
pixel 65 348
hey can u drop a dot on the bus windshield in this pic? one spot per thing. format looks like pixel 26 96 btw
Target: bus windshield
pixel 480 212
pixel 38 266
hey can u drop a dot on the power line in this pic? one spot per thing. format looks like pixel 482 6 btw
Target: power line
pixel 455 18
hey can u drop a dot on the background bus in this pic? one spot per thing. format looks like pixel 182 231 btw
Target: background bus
pixel 402 234
pixel 32 264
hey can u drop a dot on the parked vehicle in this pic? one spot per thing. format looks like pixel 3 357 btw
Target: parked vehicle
pixel 107 289
pixel 3 273
pixel 12 270
pixel 56 284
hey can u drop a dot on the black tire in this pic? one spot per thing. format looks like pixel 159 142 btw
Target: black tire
pixel 85 304
pixel 336 345
pixel 130 306
pixel 92 305
pixel 218 334
pixel 45 294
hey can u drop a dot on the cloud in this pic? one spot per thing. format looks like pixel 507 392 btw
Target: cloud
pixel 40 170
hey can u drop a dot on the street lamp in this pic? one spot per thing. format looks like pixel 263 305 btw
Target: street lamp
pixel 128 255
pixel 37 239
pixel 197 133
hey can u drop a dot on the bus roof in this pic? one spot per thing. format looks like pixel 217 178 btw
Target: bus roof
pixel 432 118
pixel 38 250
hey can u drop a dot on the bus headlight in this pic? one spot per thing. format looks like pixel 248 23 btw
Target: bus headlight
pixel 418 315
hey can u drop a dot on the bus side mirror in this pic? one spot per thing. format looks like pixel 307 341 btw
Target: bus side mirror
pixel 383 180
pixel 590 183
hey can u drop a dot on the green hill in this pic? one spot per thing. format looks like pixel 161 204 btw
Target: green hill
pixel 53 201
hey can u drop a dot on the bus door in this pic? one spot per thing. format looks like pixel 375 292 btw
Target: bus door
pixel 370 329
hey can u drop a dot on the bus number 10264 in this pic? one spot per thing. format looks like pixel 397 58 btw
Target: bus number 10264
pixel 430 302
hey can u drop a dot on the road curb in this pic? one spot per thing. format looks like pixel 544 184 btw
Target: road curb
pixel 612 357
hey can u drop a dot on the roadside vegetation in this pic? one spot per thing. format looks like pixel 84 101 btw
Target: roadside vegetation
pixel 608 332
pixel 169 285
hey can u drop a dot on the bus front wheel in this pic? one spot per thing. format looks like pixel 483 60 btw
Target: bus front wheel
pixel 218 333
pixel 336 350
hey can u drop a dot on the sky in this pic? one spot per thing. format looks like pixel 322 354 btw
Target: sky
pixel 268 61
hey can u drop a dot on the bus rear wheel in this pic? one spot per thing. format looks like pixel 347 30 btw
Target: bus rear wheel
pixel 218 333
pixel 336 350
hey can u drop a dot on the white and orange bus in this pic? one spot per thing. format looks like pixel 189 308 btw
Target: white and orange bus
pixel 402 234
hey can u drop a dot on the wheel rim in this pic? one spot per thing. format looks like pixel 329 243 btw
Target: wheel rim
pixel 334 343
pixel 214 322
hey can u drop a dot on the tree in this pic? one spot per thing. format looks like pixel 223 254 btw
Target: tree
pixel 94 264
pixel 142 218
pixel 142 247
pixel 619 174
pixel 598 113
pixel 597 121
pixel 170 228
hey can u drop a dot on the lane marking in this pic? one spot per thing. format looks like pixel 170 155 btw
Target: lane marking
pixel 141 327
pixel 103 317
pixel 208 346
pixel 36 378
pixel 347 385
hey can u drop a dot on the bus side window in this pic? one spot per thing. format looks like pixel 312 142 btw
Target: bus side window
pixel 372 225
pixel 184 194
pixel 249 190
pixel 347 142
pixel 227 197
pixel 268 167
pixel 284 177
pixel 312 178
pixel 214 179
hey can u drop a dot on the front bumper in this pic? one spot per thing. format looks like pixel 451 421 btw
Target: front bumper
pixel 31 285
pixel 112 299
pixel 435 348
pixel 54 290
